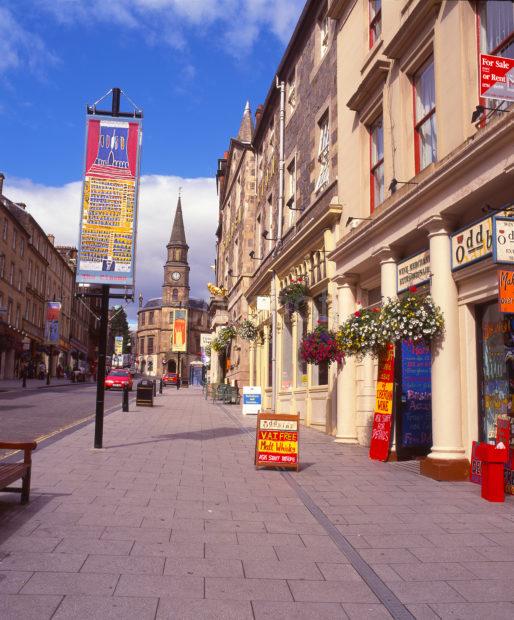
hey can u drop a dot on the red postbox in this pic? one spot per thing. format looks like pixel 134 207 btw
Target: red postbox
pixel 493 466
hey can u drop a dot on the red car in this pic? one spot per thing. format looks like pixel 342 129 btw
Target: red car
pixel 170 378
pixel 118 378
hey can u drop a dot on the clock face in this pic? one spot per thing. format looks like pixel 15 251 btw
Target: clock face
pixel 175 275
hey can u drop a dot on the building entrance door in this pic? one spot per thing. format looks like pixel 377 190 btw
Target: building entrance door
pixel 172 366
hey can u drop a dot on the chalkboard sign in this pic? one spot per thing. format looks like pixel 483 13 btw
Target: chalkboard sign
pixel 277 440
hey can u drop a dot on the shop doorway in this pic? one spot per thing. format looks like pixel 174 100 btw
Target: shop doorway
pixel 195 375
pixel 495 362
pixel 413 400
pixel 172 366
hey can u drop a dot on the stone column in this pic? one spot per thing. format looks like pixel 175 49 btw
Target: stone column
pixel 447 459
pixel 251 353
pixel 346 378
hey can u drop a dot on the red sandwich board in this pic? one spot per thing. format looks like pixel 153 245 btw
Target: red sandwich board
pixel 382 421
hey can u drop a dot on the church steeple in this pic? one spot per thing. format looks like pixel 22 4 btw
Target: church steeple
pixel 176 269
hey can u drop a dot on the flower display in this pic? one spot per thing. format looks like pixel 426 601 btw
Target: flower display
pixel 320 346
pixel 247 330
pixel 292 296
pixel 362 333
pixel 412 317
pixel 217 291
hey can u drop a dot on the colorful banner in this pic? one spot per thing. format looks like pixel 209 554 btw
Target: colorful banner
pixel 506 291
pixel 179 331
pixel 109 201
pixel 52 317
pixel 205 342
pixel 496 77
pixel 118 345
pixel 277 440
pixel 382 421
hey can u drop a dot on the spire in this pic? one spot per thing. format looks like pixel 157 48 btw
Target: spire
pixel 178 235
pixel 245 132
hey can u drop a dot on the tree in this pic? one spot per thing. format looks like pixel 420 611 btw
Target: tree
pixel 119 327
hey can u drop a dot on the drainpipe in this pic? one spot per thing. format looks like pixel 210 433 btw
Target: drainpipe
pixel 281 86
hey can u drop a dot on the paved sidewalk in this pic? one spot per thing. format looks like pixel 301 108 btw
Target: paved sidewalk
pixel 10 385
pixel 171 520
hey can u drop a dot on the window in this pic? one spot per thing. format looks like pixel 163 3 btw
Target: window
pixel 323 35
pixel 11 275
pixel 497 28
pixel 20 280
pixel 174 294
pixel 291 92
pixel 320 316
pixel 270 361
pixel 150 345
pixel 287 354
pixel 141 346
pixel 425 126
pixel 6 230
pixel 9 311
pixel 18 316
pixel 375 21
pixel 14 236
pixel 301 331
pixel 150 318
pixel 29 277
pixel 2 265
pixel 377 164
pixel 291 191
pixel 22 247
pixel 323 154
pixel 142 318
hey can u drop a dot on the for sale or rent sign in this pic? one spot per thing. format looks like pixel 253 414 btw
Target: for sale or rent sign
pixel 277 440
pixel 496 77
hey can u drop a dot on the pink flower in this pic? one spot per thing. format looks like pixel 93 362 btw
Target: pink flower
pixel 413 289
pixel 357 314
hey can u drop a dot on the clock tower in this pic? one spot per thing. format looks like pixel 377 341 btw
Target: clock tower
pixel 175 288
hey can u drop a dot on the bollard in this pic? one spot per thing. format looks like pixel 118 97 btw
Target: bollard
pixel 125 401
pixel 48 378
pixel 154 388
pixel 24 380
pixel 160 386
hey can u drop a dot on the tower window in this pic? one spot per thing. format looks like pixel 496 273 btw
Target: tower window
pixel 174 294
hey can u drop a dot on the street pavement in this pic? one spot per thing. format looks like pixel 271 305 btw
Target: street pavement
pixel 35 413
pixel 171 520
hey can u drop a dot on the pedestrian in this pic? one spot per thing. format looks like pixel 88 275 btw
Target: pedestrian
pixel 178 382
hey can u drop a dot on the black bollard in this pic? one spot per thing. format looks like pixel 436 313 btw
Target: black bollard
pixel 125 401
pixel 160 386
pixel 154 388
pixel 48 378
pixel 24 380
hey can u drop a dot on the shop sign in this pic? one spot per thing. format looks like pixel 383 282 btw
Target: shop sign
pixel 381 431
pixel 263 303
pixel 118 345
pixel 413 271
pixel 503 240
pixel 252 399
pixel 109 201
pixel 506 291
pixel 52 316
pixel 277 440
pixel 496 77
pixel 179 333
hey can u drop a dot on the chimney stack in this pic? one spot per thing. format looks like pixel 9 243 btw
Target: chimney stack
pixel 2 178
pixel 51 238
pixel 22 205
pixel 258 113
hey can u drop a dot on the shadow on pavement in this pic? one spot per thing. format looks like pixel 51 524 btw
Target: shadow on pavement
pixel 203 435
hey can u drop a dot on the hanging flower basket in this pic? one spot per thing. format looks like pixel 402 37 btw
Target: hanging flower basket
pixel 216 345
pixel 293 296
pixel 223 338
pixel 320 346
pixel 362 334
pixel 412 317
pixel 247 330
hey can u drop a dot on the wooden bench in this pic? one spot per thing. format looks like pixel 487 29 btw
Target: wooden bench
pixel 9 472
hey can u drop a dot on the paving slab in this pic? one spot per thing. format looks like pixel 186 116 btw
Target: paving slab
pixel 107 608
pixel 28 607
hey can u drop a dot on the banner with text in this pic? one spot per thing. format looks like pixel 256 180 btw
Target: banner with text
pixel 382 420
pixel 179 333
pixel 52 318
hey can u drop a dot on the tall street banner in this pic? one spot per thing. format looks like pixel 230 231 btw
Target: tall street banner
pixel 496 77
pixel 179 333
pixel 109 201
pixel 52 317
pixel 205 343
pixel 118 345
pixel 382 421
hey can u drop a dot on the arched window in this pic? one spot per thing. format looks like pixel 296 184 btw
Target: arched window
pixel 174 294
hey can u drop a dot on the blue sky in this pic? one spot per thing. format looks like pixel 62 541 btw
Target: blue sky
pixel 190 64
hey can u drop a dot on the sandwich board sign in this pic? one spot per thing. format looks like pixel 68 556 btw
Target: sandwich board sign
pixel 277 440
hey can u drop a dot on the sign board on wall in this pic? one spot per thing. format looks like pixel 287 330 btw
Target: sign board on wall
pixel 506 291
pixel 252 399
pixel 496 77
pixel 179 333
pixel 277 440
pixel 472 243
pixel 413 271
pixel 382 420
pixel 263 303
pixel 52 317
pixel 109 201
pixel 205 342
pixel 503 240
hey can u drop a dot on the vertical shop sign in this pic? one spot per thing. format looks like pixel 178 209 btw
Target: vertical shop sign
pixel 109 201
pixel 179 333
pixel 277 440
pixel 118 345
pixel 52 318
pixel 382 421
pixel 506 291
pixel 205 343
pixel 496 77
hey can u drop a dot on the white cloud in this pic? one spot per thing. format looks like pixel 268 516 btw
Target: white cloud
pixel 57 210
pixel 20 48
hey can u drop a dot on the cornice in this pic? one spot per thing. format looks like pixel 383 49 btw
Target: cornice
pixel 369 84
pixel 336 8
pixel 410 27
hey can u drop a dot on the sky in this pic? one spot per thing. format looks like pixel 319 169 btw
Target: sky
pixel 191 65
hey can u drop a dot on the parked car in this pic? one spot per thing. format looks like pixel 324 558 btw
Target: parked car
pixel 118 378
pixel 170 378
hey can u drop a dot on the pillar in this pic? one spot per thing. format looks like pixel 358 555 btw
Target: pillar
pixel 251 353
pixel 446 460
pixel 346 379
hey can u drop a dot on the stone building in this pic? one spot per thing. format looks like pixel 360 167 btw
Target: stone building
pixel 415 166
pixel 155 353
